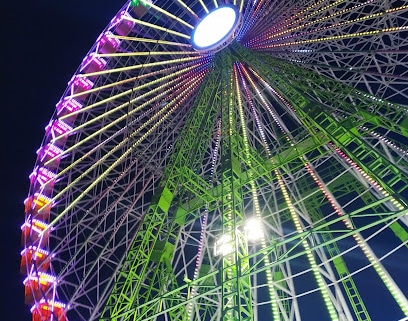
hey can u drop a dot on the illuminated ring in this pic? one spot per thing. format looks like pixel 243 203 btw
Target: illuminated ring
pixel 226 37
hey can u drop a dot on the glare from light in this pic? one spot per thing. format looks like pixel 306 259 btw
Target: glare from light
pixel 253 229
pixel 216 26
pixel 224 245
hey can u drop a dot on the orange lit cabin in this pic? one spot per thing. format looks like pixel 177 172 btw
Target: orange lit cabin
pixel 38 287
pixel 35 233
pixel 49 311
pixel 38 206
pixel 33 255
pixel 42 180
pixel 49 155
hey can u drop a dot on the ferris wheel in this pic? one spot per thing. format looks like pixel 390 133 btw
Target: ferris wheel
pixel 213 160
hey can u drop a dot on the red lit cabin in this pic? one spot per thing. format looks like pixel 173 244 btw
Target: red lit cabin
pixel 33 255
pixel 140 9
pixel 57 132
pixel 123 26
pixel 107 44
pixel 91 64
pixel 42 180
pixel 49 155
pixel 38 287
pixel 67 110
pixel 80 84
pixel 35 233
pixel 38 206
pixel 49 311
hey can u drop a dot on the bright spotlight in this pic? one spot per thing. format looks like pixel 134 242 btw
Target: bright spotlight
pixel 253 229
pixel 224 245
pixel 215 28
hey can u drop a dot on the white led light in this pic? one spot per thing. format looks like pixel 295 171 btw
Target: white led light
pixel 224 245
pixel 253 229
pixel 215 28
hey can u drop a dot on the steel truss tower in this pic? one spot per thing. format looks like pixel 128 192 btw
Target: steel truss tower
pixel 322 162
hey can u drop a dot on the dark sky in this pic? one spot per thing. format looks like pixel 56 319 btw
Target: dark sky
pixel 42 44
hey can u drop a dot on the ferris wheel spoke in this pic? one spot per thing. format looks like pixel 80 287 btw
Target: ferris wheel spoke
pixel 186 7
pixel 204 6
pixel 149 53
pixel 176 69
pixel 280 32
pixel 356 35
pixel 79 286
pixel 163 117
pixel 350 282
pixel 150 40
pixel 183 74
pixel 156 27
pixel 170 15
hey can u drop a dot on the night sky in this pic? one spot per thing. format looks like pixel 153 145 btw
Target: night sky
pixel 43 43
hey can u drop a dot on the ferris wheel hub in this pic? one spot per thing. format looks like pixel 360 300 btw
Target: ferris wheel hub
pixel 217 29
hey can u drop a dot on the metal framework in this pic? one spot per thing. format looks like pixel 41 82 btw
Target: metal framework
pixel 159 156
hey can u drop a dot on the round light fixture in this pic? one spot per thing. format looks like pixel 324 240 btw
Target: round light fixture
pixel 216 29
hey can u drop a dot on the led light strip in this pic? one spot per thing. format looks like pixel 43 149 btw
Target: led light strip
pixel 153 26
pixel 274 31
pixel 385 140
pixel 158 114
pixel 168 14
pixel 271 35
pixel 188 9
pixel 149 40
pixel 176 101
pixel 124 105
pixel 347 36
pixel 193 290
pixel 368 252
pixel 386 278
pixel 269 276
pixel 315 268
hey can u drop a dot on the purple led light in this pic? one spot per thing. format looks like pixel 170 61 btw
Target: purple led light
pixel 42 179
pixel 48 152
pixel 80 84
pixel 67 108
pixel 123 26
pixel 92 63
pixel 106 44
pixel 58 131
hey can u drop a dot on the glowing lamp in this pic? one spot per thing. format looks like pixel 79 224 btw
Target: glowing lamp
pixel 107 44
pixel 224 245
pixel 216 29
pixel 38 287
pixel 33 255
pixel 49 310
pixel 253 229
pixel 50 154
